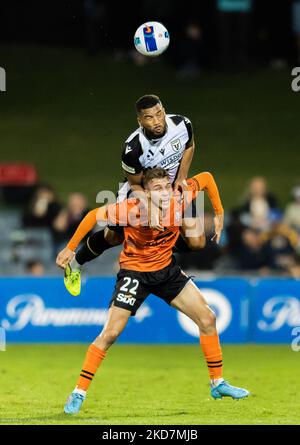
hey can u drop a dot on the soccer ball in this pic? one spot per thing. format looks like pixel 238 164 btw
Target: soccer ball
pixel 151 39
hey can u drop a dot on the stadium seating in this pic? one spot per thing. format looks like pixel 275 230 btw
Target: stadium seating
pixel 17 181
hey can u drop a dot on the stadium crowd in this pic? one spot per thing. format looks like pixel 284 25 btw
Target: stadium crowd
pixel 259 237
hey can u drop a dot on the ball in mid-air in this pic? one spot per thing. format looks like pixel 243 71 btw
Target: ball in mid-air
pixel 151 39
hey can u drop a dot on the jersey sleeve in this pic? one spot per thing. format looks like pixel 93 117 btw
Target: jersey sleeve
pixel 86 225
pixel 122 213
pixel 130 157
pixel 205 181
pixel 190 131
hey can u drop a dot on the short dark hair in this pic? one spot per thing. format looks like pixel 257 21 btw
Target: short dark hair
pixel 154 173
pixel 147 101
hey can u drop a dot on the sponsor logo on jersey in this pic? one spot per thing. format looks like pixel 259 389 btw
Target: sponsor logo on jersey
pixel 176 145
pixel 173 159
pixel 162 151
pixel 127 299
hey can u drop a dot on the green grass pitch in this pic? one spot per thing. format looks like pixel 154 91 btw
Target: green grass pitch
pixel 149 385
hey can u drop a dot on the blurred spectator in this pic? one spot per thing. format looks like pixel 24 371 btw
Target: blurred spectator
pixel 35 268
pixel 68 219
pixel 282 240
pixel 292 211
pixel 254 254
pixel 42 209
pixel 234 19
pixel 260 206
pixel 296 26
pixel 190 52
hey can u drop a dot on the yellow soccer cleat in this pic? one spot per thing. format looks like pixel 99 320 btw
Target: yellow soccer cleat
pixel 72 280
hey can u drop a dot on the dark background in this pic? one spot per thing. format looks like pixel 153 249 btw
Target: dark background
pixel 66 22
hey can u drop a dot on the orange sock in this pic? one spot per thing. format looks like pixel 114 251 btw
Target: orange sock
pixel 212 351
pixel 93 358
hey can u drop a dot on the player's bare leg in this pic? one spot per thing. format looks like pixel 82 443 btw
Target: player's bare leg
pixel 191 302
pixel 193 233
pixel 115 324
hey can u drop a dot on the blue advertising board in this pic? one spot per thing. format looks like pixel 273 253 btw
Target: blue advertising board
pixel 41 310
pixel 275 310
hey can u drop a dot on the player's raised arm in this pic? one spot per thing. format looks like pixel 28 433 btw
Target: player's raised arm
pixel 85 226
pixel 207 182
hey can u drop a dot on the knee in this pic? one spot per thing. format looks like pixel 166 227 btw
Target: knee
pixel 196 243
pixel 111 237
pixel 207 323
pixel 109 336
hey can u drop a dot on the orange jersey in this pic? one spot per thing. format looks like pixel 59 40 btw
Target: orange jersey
pixel 146 249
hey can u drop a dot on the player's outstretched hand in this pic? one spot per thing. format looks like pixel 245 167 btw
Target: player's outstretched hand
pixel 219 222
pixel 64 257
pixel 180 185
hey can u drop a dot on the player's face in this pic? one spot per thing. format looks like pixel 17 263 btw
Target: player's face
pixel 153 120
pixel 160 192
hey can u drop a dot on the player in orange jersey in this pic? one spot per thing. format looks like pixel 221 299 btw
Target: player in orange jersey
pixel 148 266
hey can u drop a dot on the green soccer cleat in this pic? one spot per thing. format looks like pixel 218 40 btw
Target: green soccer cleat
pixel 226 390
pixel 72 280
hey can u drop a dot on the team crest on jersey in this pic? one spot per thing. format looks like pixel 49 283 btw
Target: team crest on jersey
pixel 176 145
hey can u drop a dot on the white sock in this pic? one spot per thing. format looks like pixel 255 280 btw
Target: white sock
pixel 74 265
pixel 216 382
pixel 80 391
